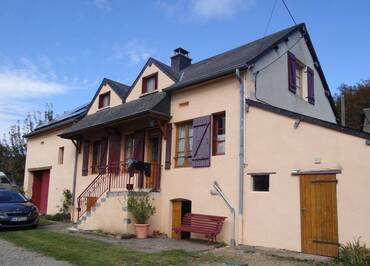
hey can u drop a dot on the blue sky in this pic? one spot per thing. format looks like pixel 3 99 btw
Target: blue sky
pixel 59 51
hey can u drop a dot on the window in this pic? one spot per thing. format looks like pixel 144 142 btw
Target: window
pixel 104 100
pixel 261 182
pixel 150 83
pixel 219 131
pixel 61 155
pixel 299 70
pixel 184 144
pixel 129 147
pixel 99 155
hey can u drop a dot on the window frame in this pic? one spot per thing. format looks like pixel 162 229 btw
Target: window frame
pixel 215 128
pixel 144 88
pixel 253 176
pixel 101 97
pixel 133 146
pixel 61 155
pixel 188 124
pixel 96 156
pixel 301 70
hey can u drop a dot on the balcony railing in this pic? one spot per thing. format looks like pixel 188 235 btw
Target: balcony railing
pixel 119 176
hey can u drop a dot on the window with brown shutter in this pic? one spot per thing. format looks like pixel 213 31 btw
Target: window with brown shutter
pixel 292 72
pixel 184 144
pixel 85 158
pixel 99 159
pixel 219 133
pixel 310 86
pixel 129 147
pixel 168 146
pixel 61 155
pixel 150 83
pixel 201 142
pixel 104 100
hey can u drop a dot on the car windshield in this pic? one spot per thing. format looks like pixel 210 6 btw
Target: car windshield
pixel 11 197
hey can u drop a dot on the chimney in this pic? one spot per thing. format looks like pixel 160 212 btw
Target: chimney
pixel 180 59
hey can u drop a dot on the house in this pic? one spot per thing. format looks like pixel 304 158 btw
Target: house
pixel 259 120
pixel 366 123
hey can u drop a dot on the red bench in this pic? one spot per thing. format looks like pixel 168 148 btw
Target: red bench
pixel 209 225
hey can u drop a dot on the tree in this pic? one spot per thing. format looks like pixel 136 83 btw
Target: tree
pixel 356 98
pixel 13 147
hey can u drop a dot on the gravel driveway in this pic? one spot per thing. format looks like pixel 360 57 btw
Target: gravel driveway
pixel 11 255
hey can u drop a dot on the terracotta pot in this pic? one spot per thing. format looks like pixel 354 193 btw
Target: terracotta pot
pixel 141 230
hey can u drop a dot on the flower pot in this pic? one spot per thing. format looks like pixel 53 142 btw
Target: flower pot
pixel 141 230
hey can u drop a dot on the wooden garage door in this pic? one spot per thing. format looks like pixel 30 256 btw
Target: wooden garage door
pixel 319 219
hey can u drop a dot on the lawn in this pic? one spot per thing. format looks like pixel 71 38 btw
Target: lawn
pixel 81 251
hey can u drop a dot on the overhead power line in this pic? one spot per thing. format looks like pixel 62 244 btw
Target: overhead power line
pixel 290 14
pixel 269 20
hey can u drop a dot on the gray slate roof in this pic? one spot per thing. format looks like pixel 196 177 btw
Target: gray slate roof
pixel 157 103
pixel 60 121
pixel 121 89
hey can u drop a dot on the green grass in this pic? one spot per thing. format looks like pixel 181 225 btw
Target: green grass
pixel 82 251
pixel 43 221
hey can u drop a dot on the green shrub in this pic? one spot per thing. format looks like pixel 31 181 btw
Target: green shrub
pixel 139 205
pixel 354 253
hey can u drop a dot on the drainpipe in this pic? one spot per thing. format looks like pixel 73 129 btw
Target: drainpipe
pixel 74 183
pixel 218 191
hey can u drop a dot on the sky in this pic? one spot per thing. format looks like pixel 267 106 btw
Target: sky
pixel 59 51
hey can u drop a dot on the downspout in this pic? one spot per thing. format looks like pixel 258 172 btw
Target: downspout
pixel 218 191
pixel 74 183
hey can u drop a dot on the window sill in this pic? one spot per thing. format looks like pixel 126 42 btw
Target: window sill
pixel 103 108
pixel 148 93
pixel 218 154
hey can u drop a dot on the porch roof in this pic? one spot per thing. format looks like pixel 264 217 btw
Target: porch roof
pixel 156 104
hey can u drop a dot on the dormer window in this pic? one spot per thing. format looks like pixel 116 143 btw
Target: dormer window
pixel 104 100
pixel 150 83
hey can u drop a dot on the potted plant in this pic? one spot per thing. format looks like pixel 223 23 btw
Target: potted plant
pixel 139 205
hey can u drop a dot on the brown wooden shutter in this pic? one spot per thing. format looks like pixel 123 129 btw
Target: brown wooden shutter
pixel 292 72
pixel 85 158
pixel 100 102
pixel 103 156
pixel 310 86
pixel 201 156
pixel 143 86
pixel 167 164
pixel 114 153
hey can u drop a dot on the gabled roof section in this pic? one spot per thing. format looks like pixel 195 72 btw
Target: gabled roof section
pixel 60 121
pixel 122 90
pixel 240 57
pixel 156 103
pixel 166 69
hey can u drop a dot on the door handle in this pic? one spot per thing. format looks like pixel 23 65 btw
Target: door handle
pixel 303 210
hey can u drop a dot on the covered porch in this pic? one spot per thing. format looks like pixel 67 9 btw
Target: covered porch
pixel 121 148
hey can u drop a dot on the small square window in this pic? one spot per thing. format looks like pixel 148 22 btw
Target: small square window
pixel 261 182
pixel 150 83
pixel 61 155
pixel 104 100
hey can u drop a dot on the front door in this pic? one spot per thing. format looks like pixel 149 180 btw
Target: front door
pixel 154 153
pixel 319 220
pixel 40 190
pixel 179 208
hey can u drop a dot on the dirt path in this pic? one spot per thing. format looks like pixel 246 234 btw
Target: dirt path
pixel 11 255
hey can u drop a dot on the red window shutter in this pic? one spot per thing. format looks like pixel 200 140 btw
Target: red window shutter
pixel 100 101
pixel 310 86
pixel 201 142
pixel 85 158
pixel 168 146
pixel 103 156
pixel 292 72
pixel 114 153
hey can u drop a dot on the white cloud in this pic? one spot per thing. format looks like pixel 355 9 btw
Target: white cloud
pixel 103 4
pixel 205 9
pixel 133 50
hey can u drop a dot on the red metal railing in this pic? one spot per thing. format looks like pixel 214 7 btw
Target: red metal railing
pixel 117 177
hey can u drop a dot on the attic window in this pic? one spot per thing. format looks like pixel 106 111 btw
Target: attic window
pixel 150 83
pixel 104 100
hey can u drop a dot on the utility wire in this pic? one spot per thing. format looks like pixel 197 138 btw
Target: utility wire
pixel 269 21
pixel 290 14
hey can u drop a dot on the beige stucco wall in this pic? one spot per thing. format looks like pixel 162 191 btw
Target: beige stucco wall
pixel 41 155
pixel 195 183
pixel 272 218
pixel 163 81
pixel 114 99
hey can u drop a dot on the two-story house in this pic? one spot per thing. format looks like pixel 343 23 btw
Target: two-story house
pixel 257 121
